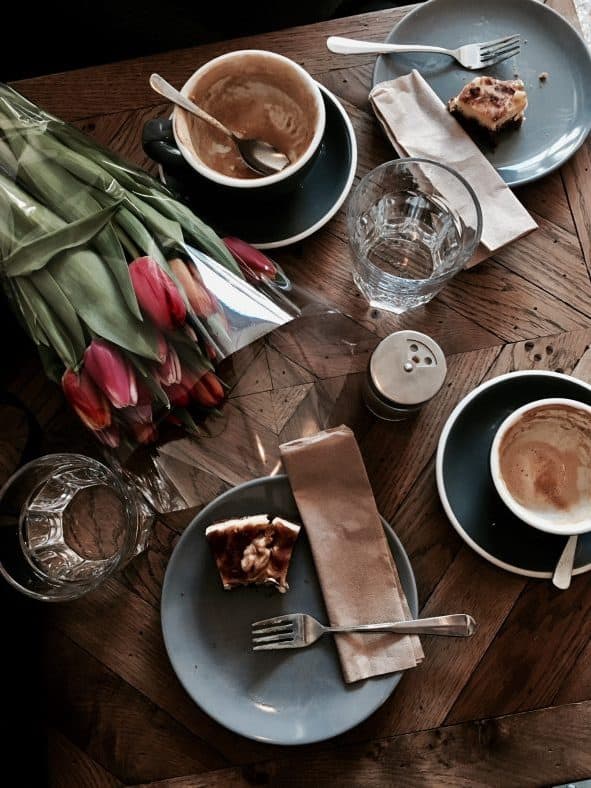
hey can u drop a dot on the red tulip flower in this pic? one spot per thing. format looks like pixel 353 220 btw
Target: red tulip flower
pixel 201 300
pixel 111 372
pixel 255 265
pixel 157 294
pixel 178 394
pixel 87 400
pixel 204 389
pixel 144 433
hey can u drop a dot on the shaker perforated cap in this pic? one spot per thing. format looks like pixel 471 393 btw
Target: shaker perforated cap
pixel 408 368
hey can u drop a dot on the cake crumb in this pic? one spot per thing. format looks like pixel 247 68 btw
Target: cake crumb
pixel 543 76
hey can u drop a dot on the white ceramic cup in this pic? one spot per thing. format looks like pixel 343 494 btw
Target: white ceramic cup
pixel 579 524
pixel 268 183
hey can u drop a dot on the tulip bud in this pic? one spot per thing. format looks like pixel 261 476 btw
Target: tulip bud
pixel 86 399
pixel 169 371
pixel 109 436
pixel 140 414
pixel 157 294
pixel 202 303
pixel 255 265
pixel 178 394
pixel 111 372
pixel 208 391
pixel 144 433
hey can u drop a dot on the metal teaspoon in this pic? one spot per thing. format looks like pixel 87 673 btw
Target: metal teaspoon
pixel 260 156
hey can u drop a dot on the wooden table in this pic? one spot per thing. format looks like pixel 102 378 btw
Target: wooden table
pixel 511 706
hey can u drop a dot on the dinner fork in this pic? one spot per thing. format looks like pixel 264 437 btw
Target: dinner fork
pixel 470 56
pixel 298 630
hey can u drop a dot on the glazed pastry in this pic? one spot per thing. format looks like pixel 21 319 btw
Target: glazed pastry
pixel 253 550
pixel 490 105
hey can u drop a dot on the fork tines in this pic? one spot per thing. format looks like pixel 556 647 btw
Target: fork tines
pixel 271 633
pixel 501 48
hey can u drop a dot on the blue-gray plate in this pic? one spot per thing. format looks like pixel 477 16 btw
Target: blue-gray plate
pixel 465 484
pixel 280 697
pixel 559 111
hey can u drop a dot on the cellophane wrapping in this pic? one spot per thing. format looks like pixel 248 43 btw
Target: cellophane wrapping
pixel 131 300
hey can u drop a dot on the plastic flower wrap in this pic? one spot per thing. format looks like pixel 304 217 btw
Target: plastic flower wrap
pixel 130 298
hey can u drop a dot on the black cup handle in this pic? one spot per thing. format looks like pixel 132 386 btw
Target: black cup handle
pixel 159 144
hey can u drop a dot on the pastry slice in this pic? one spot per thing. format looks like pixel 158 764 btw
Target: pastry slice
pixel 490 105
pixel 253 550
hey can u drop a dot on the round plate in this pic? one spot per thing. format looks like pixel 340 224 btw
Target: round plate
pixel 292 217
pixel 465 483
pixel 559 111
pixel 282 697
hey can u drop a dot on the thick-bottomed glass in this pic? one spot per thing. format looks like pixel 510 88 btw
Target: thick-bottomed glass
pixel 413 224
pixel 66 523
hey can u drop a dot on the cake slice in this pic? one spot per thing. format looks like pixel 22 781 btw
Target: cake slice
pixel 253 550
pixel 489 105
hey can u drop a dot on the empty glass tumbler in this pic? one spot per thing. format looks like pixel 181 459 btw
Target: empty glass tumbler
pixel 66 523
pixel 413 224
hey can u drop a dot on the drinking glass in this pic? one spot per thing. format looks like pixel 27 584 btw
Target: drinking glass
pixel 66 523
pixel 413 224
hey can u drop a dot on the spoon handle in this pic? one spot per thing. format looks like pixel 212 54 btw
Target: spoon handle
pixel 564 567
pixel 165 89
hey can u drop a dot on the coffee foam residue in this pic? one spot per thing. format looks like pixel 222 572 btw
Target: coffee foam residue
pixel 545 462
pixel 256 97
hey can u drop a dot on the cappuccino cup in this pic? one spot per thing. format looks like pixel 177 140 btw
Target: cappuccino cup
pixel 540 463
pixel 258 94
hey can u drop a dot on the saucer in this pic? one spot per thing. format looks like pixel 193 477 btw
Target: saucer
pixel 293 696
pixel 465 484
pixel 291 217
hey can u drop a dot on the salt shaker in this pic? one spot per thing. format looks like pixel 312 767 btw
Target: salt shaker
pixel 405 371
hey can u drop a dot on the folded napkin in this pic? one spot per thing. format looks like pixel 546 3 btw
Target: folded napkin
pixel 359 580
pixel 418 124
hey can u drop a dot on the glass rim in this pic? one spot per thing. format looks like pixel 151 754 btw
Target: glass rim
pixel 78 588
pixel 395 163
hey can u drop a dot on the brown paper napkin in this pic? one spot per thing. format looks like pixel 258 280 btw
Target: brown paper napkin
pixel 418 124
pixel 359 580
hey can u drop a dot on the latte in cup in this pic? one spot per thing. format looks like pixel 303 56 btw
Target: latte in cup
pixel 258 98
pixel 257 95
pixel 544 463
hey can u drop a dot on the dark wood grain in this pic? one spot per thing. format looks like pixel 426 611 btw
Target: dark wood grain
pixel 530 749
pixel 511 706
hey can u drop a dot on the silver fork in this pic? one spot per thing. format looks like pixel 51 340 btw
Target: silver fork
pixel 299 629
pixel 470 56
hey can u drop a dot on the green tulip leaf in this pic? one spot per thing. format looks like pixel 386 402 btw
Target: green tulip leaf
pixel 51 326
pixel 35 255
pixel 54 296
pixel 91 288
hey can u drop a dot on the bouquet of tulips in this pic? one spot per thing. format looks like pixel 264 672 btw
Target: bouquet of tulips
pixel 129 297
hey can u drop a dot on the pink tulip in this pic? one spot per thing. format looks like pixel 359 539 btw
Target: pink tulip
pixel 254 264
pixel 111 372
pixel 157 294
pixel 86 399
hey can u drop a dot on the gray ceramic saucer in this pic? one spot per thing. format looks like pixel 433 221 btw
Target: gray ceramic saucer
pixel 280 697
pixel 465 484
pixel 559 111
